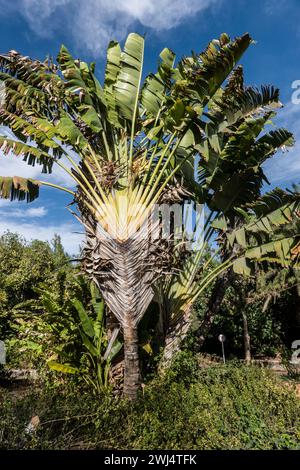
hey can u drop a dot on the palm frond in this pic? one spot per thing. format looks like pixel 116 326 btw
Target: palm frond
pixel 17 188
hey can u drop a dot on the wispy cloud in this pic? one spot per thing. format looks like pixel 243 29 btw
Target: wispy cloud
pixel 273 8
pixel 9 210
pixel 285 168
pixel 11 165
pixel 33 230
pixel 92 23
pixel 37 211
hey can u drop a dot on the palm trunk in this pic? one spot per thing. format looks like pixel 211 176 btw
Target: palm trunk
pixel 131 361
pixel 123 272
pixel 162 324
pixel 247 345
pixel 176 333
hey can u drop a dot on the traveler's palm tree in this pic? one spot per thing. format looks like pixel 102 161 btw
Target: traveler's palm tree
pixel 230 179
pixel 127 146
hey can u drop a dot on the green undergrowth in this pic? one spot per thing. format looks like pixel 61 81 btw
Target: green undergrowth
pixel 220 407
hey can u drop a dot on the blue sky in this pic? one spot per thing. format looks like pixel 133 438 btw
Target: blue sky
pixel 38 27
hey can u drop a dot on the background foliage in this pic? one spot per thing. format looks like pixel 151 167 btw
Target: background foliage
pixel 39 322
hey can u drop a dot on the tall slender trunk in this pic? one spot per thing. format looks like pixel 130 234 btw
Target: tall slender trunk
pixel 131 362
pixel 247 345
pixel 163 320
pixel 177 330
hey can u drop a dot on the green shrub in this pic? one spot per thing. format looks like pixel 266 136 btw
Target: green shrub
pixel 220 408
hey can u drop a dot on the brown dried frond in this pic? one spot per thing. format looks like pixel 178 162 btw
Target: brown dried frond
pixel 110 174
pixel 296 251
pixel 138 166
pixel 174 193
pixel 235 82
pixel 107 175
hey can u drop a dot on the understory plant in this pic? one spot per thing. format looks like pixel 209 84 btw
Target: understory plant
pixel 222 407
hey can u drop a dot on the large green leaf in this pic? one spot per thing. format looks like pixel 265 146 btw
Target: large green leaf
pixel 127 86
pixel 206 72
pixel 115 349
pixel 86 321
pixel 111 75
pixel 89 345
pixel 39 130
pixel 72 73
pixel 240 266
pixel 236 104
pixel 234 190
pixel 98 323
pixel 64 368
pixel 156 85
pixel 70 133
pixel 83 86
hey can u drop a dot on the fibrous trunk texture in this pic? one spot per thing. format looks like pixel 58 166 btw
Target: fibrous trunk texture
pixel 120 270
pixel 131 362
pixel 123 272
pixel 247 346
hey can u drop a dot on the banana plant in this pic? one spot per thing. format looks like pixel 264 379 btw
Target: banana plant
pixel 97 348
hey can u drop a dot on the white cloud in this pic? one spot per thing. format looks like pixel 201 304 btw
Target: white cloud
pixel 30 231
pixel 36 212
pixel 16 212
pixel 285 168
pixel 92 23
pixel 11 165
pixel 289 116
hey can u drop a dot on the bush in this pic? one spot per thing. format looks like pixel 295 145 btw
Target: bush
pixel 220 408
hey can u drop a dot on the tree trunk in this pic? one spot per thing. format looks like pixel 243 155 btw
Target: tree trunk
pixel 176 333
pixel 123 271
pixel 177 330
pixel 247 345
pixel 131 362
